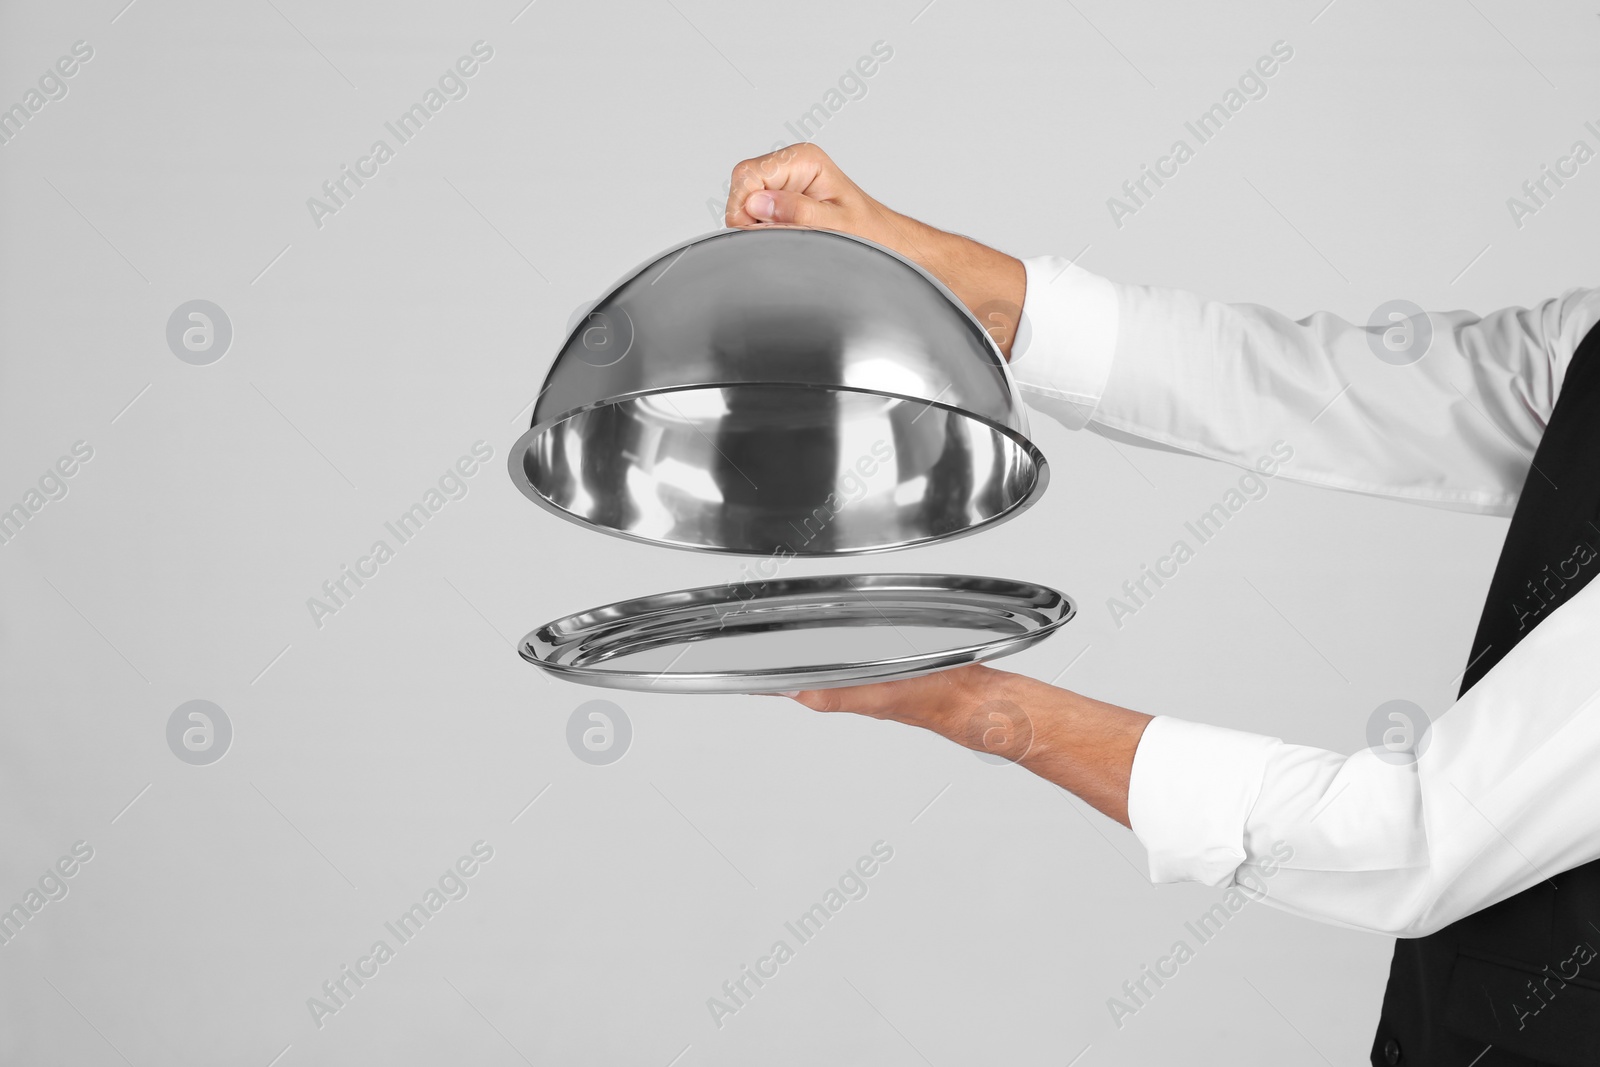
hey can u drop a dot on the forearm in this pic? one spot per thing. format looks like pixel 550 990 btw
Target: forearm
pixel 990 283
pixel 1084 745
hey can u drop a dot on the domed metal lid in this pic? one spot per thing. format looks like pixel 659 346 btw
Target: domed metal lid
pixel 780 391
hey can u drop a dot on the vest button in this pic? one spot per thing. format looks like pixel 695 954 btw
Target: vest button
pixel 1391 1052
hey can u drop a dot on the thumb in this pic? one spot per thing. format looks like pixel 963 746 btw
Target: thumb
pixel 795 209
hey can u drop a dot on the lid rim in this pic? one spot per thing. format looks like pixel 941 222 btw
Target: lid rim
pixel 1041 479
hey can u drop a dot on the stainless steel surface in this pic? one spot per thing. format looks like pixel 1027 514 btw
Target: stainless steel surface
pixel 797 633
pixel 780 391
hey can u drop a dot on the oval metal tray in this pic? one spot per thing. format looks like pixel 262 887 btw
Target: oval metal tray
pixel 783 634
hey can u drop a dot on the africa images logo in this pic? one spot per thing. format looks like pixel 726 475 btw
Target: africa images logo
pixel 452 85
pixel 452 885
pixel 853 884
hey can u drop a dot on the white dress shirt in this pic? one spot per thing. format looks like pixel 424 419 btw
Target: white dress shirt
pixel 1507 790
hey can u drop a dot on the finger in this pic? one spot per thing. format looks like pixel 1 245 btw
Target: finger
pixel 887 700
pixel 815 699
pixel 798 168
pixel 789 208
pixel 823 699
pixel 873 699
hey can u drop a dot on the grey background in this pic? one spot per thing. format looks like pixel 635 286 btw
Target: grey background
pixel 371 353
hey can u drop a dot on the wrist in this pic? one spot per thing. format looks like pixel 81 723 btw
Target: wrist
pixel 915 240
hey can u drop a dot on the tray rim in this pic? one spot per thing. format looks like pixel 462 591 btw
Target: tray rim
pixel 535 647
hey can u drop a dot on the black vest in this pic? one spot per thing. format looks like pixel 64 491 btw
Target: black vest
pixel 1498 978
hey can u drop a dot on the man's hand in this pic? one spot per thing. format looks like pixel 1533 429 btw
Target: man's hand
pixel 944 702
pixel 800 186
pixel 1083 745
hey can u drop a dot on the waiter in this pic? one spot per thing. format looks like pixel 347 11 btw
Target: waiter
pixel 1481 856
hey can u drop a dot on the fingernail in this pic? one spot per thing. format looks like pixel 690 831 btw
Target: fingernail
pixel 760 205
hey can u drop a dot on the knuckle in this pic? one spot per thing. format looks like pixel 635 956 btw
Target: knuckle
pixel 824 700
pixel 773 163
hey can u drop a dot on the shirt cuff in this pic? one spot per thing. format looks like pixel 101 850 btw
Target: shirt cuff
pixel 1190 795
pixel 1067 335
